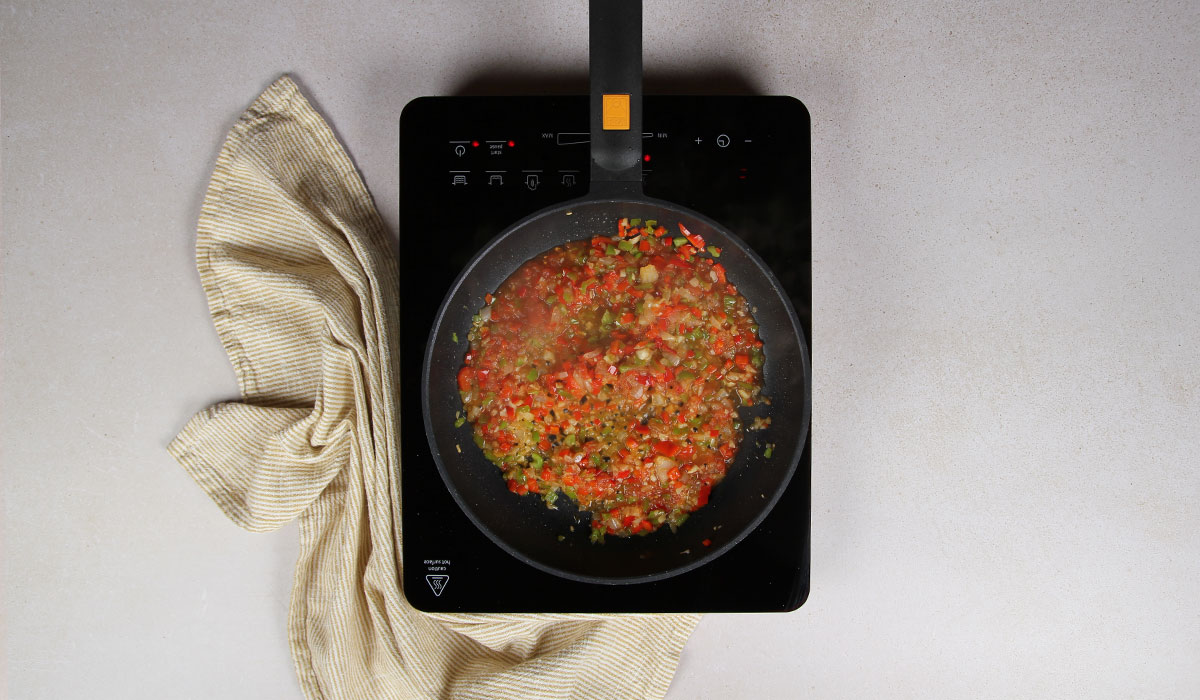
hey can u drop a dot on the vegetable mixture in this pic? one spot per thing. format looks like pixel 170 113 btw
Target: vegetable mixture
pixel 609 371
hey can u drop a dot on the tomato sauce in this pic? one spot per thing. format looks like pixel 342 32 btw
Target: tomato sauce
pixel 609 371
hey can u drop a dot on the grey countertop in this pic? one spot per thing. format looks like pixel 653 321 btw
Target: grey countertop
pixel 1006 298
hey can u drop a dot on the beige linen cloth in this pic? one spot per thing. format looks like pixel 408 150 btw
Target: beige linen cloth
pixel 301 284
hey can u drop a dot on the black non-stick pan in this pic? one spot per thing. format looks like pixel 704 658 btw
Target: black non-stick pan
pixel 522 525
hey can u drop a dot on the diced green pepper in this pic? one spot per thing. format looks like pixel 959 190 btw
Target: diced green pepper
pixel 625 246
pixel 678 241
pixel 459 423
pixel 714 251
pixel 454 337
pixel 609 250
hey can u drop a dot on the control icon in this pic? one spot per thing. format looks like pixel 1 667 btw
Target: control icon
pixel 568 180
pixel 495 180
pixel 532 181
pixel 458 180
pixel 723 140
pixel 459 150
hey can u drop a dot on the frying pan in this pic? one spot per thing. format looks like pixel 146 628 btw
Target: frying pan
pixel 556 541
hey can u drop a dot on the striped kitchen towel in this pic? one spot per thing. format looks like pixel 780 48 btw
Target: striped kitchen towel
pixel 301 285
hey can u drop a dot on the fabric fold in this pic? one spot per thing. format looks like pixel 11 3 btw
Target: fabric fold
pixel 301 286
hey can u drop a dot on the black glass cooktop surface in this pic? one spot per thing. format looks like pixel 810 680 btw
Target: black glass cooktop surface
pixel 472 166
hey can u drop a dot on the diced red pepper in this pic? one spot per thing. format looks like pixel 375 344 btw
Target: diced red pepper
pixel 741 360
pixel 666 448
pixel 464 379
pixel 702 496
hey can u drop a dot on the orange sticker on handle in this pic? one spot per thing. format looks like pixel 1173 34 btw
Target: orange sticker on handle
pixel 615 116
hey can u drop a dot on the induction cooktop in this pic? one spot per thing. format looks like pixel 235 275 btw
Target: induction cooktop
pixel 472 166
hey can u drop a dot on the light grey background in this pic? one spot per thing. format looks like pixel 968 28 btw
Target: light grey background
pixel 1006 294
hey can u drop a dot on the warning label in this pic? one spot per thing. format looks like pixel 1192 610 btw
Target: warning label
pixel 437 582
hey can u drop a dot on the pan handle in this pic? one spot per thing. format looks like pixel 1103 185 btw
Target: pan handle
pixel 615 35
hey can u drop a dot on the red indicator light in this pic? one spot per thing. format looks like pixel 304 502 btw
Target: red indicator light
pixel 511 144
pixel 475 144
pixel 646 158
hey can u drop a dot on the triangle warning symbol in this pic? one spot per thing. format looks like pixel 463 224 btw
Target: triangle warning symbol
pixel 437 582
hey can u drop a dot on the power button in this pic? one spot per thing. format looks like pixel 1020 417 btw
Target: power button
pixel 723 140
